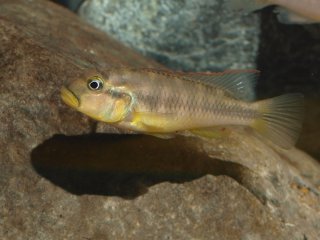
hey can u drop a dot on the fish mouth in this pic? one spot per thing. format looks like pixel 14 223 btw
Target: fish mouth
pixel 69 97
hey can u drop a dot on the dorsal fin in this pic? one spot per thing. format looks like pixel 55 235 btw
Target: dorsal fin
pixel 238 83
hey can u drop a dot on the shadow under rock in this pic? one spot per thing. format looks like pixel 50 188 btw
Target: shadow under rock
pixel 124 165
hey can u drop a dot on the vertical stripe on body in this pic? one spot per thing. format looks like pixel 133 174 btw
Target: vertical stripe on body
pixel 191 103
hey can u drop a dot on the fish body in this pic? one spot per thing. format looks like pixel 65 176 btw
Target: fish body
pixel 288 11
pixel 164 102
pixel 161 103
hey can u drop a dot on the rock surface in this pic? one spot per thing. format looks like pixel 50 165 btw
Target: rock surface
pixel 188 35
pixel 102 186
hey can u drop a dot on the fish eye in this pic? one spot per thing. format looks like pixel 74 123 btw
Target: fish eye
pixel 95 84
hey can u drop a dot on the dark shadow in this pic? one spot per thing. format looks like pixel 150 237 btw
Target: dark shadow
pixel 73 5
pixel 124 165
pixel 288 57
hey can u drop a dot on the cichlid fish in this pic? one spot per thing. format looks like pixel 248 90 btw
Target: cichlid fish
pixel 288 11
pixel 163 103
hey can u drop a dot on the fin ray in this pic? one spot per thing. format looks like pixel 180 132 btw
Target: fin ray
pixel 239 83
pixel 280 119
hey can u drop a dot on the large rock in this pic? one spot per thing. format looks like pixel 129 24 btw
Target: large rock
pixel 182 34
pixel 100 186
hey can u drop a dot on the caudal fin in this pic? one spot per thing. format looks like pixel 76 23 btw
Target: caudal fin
pixel 246 5
pixel 280 119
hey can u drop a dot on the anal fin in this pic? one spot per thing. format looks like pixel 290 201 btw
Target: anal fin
pixel 212 132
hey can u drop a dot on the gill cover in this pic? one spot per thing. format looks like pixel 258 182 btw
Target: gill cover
pixel 122 105
pixel 103 101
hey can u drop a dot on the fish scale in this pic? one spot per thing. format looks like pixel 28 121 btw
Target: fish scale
pixel 162 103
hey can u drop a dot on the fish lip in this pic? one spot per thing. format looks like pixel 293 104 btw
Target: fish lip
pixel 69 97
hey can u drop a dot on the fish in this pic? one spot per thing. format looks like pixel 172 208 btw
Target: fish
pixel 165 103
pixel 288 11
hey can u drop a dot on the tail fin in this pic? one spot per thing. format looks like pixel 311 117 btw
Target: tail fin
pixel 246 5
pixel 280 119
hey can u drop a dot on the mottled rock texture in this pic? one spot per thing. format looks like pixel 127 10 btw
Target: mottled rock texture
pixel 81 185
pixel 181 34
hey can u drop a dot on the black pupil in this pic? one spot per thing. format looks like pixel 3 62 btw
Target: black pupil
pixel 94 85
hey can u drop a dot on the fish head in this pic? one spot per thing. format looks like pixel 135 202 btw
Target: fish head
pixel 98 98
